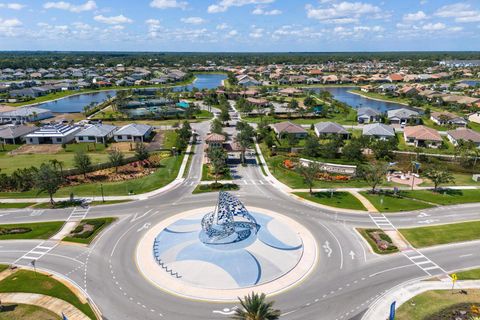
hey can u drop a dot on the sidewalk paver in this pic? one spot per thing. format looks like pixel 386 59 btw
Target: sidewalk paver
pixel 366 203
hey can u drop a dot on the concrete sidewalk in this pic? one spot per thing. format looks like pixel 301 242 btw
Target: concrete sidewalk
pixel 365 202
pixel 55 305
pixel 380 309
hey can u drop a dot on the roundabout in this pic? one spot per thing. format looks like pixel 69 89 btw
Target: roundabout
pixel 220 253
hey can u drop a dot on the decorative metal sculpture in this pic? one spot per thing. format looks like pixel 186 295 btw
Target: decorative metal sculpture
pixel 230 222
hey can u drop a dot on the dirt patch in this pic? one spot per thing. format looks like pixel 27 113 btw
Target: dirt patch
pixel 37 149
pixel 4 108
pixel 9 231
pixel 461 311
pixel 122 146
pixel 157 142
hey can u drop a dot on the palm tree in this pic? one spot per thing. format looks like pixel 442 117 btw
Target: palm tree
pixel 254 307
pixel 57 165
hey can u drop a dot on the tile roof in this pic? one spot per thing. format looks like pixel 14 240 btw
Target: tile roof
pixel 422 133
pixel 330 127
pixel 465 134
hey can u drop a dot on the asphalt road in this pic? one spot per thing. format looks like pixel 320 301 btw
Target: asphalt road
pixel 347 279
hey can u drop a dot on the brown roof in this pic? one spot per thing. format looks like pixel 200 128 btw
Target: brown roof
pixel 465 134
pixel 422 133
pixel 288 127
pixel 396 77
pixel 215 137
pixel 291 91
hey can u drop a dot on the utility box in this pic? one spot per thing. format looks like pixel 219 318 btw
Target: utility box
pixel 476 177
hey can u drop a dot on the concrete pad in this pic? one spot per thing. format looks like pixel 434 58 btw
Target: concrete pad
pixel 66 230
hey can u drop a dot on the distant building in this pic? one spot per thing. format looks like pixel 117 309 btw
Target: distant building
pixel 367 115
pixel 421 136
pixel 379 131
pixel 99 133
pixel 15 134
pixel 52 134
pixel 287 127
pixel 402 115
pixel 133 132
pixel 463 134
pixel 330 129
pixel 448 118
pixel 25 114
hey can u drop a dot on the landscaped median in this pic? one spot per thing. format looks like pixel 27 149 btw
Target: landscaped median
pixel 215 187
pixel 442 234
pixel 378 240
pixel 344 200
pixel 41 230
pixel 389 202
pixel 445 196
pixel 88 229
pixel 35 282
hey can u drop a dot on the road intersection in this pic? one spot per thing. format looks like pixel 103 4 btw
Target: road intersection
pixel 346 281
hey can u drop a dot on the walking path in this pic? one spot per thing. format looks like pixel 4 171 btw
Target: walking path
pixel 365 202
pixel 380 309
pixel 53 304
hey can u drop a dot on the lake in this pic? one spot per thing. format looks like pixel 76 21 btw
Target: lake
pixel 76 103
pixel 356 101
pixel 471 83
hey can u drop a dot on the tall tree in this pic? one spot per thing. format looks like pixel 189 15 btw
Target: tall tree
pixel 116 158
pixel 216 126
pixel 254 307
pixel 244 137
pixel 217 157
pixel 373 174
pixel 309 173
pixel 82 162
pixel 48 179
pixel 312 147
pixel 438 176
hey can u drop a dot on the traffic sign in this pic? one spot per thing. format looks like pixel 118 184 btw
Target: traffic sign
pixel 454 277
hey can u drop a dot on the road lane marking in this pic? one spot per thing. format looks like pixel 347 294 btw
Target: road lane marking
pixel 137 217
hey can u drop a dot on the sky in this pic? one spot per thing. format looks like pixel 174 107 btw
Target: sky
pixel 240 25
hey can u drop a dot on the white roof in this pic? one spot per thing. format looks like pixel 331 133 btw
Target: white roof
pixel 133 129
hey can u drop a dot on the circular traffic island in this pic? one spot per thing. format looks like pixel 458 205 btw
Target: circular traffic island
pixel 221 253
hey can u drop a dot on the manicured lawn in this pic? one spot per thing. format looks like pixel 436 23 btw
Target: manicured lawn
pixel 163 176
pixel 26 312
pixel 41 230
pixel 444 197
pixel 3 267
pixel 336 199
pixel 170 139
pixel 443 234
pixel 420 307
pixel 204 188
pixel 473 274
pixel 379 96
pixel 88 236
pixel 390 203
pixel 28 281
pixel 68 204
pixel 17 205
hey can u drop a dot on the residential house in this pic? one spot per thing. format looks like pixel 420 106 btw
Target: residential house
pixel 133 132
pixel 290 92
pixel 15 134
pixel 395 77
pixel 367 115
pixel 99 133
pixel 402 116
pixel 379 131
pixel 448 118
pixel 330 129
pixel 214 140
pixel 421 136
pixel 25 114
pixel 52 134
pixel 463 134
pixel 287 127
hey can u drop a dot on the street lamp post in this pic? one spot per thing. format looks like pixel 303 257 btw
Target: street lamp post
pixel 101 188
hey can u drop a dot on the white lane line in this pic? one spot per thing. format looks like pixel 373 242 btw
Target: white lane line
pixel 466 255
pixel 118 240
pixel 338 242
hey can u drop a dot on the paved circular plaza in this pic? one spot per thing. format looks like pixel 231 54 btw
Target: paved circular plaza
pixel 276 255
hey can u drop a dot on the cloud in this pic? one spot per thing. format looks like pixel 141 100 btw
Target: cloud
pixel 259 10
pixel 193 20
pixel 224 5
pixel 13 6
pixel 256 33
pixel 232 33
pixel 417 16
pixel 343 12
pixel 168 4
pixel 9 27
pixel 112 20
pixel 222 26
pixel 62 5
pixel 434 26
pixel 461 12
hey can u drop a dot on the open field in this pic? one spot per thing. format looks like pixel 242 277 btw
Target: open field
pixel 449 233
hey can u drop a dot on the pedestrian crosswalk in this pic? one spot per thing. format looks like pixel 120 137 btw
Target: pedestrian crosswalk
pixel 37 252
pixel 78 214
pixel 424 263
pixel 382 222
pixel 412 254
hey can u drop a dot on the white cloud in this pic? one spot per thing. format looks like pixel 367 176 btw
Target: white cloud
pixel 62 5
pixel 224 5
pixel 417 16
pixel 259 10
pixel 10 23
pixel 232 33
pixel 153 27
pixel 434 26
pixel 168 4
pixel 112 20
pixel 256 33
pixel 13 6
pixel 222 26
pixel 193 20
pixel 461 12
pixel 343 12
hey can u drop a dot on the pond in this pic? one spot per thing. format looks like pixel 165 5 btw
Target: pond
pixel 471 83
pixel 76 103
pixel 342 94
